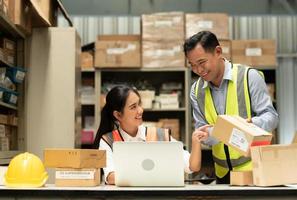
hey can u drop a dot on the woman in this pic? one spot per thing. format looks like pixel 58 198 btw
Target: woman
pixel 121 120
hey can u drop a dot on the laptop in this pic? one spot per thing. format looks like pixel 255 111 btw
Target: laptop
pixel 148 164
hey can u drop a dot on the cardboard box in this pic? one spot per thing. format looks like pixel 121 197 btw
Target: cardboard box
pixel 274 165
pixel 226 48
pixel 241 178
pixel 67 177
pixel 8 45
pixel 21 15
pixel 271 90
pixel 163 26
pixel 74 158
pixel 87 60
pixel 173 125
pixel 44 13
pixel 117 51
pixel 162 54
pixel 255 53
pixel 234 131
pixel 3 119
pixel 218 23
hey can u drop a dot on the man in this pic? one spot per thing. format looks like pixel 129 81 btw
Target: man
pixel 225 88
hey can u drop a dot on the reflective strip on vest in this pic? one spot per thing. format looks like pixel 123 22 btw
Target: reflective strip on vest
pixel 237 103
pixel 156 134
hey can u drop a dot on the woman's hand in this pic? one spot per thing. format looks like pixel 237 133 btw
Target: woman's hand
pixel 201 133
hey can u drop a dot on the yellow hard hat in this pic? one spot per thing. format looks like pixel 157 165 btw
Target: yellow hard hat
pixel 25 170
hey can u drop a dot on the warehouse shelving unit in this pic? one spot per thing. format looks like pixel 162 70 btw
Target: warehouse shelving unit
pixel 9 30
pixel 154 76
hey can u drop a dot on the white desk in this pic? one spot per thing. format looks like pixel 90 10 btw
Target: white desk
pixel 187 192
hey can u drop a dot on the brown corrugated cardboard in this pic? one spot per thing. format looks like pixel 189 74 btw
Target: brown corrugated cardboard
pixel 87 60
pixel 237 133
pixel 256 53
pixel 218 23
pixel 173 125
pixel 21 15
pixel 74 158
pixel 163 26
pixel 274 165
pixel 118 51
pixel 226 48
pixel 67 177
pixel 157 54
pixel 241 178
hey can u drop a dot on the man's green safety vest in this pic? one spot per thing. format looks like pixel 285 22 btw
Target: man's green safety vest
pixel 237 103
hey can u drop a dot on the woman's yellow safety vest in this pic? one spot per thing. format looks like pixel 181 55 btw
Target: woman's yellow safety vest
pixel 237 103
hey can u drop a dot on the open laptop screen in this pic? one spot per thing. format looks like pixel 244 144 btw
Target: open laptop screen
pixel 148 163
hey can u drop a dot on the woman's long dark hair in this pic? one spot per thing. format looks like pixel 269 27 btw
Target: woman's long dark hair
pixel 115 101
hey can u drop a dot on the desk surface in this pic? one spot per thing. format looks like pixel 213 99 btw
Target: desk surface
pixel 105 191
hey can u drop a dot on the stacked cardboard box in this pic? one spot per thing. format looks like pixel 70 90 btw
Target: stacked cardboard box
pixel 272 164
pixel 162 40
pixel 75 167
pixel 117 51
pixel 255 53
pixel 218 23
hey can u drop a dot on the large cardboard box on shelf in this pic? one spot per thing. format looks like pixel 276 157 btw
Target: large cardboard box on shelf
pixel 255 53
pixel 163 26
pixel 156 54
pixel 218 23
pixel 117 51
pixel 234 131
pixel 241 178
pixel 74 158
pixel 69 177
pixel 274 165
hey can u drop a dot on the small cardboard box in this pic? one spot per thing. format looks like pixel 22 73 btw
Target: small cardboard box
pixel 163 26
pixel 87 60
pixel 234 131
pixel 68 177
pixel 274 165
pixel 255 53
pixel 173 125
pixel 241 178
pixel 118 51
pixel 74 158
pixel 218 23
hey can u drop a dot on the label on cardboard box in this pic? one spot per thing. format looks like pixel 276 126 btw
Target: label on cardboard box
pixel 163 23
pixel 239 140
pixel 130 47
pixel 253 52
pixel 75 174
pixel 205 24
